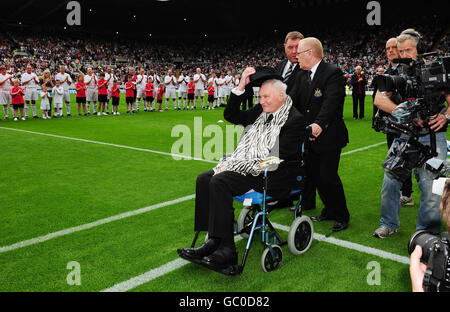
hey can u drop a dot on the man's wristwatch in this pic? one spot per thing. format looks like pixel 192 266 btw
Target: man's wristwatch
pixel 447 116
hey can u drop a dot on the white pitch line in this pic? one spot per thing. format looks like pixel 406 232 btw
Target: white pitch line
pixel 362 148
pixel 87 226
pixel 110 144
pixel 354 246
pixel 153 151
pixel 151 275
pixel 178 263
pixel 148 276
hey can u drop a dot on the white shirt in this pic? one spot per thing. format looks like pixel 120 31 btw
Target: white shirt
pixel 220 82
pixel 214 82
pixel 314 69
pixel 90 81
pixel 111 81
pixel 286 68
pixel 32 83
pixel 229 80
pixel 58 94
pixel 62 77
pixel 44 98
pixel 182 82
pixel 156 81
pixel 170 81
pixel 7 84
pixel 141 81
pixel 199 84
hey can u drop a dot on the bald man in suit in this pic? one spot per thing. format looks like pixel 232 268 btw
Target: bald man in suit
pixel 319 94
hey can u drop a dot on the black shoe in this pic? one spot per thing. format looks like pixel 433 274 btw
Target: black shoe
pixel 222 260
pixel 196 254
pixel 320 218
pixel 69 115
pixel 36 117
pixel 339 226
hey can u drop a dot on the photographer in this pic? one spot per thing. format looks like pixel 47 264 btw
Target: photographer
pixel 428 216
pixel 391 54
pixel 416 268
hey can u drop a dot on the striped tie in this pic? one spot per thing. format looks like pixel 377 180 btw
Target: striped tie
pixel 288 73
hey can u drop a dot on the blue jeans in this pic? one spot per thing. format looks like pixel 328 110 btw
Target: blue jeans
pixel 429 217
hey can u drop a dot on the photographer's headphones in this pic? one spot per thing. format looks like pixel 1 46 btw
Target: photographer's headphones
pixel 420 46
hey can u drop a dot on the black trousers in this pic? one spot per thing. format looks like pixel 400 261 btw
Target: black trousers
pixel 358 99
pixel 214 194
pixel 407 184
pixel 322 172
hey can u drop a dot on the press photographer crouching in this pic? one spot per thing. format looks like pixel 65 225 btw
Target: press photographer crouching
pixel 418 118
pixel 434 251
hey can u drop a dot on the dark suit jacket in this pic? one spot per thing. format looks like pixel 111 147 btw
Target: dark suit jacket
pixel 291 81
pixel 323 102
pixel 354 83
pixel 290 139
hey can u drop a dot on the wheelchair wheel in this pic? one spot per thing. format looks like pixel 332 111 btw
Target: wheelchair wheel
pixel 245 219
pixel 268 261
pixel 300 235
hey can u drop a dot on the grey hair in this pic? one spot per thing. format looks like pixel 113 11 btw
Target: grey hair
pixel 278 84
pixel 405 36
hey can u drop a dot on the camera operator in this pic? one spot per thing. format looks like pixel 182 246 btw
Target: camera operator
pixel 428 216
pixel 391 54
pixel 416 268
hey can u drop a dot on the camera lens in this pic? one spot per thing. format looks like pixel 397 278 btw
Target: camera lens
pixel 424 240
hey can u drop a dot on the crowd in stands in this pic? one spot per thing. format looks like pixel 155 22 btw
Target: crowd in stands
pixel 346 49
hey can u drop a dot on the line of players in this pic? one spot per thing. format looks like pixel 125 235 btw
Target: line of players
pixel 190 89
pixel 92 89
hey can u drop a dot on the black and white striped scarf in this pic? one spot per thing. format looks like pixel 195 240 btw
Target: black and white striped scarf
pixel 256 143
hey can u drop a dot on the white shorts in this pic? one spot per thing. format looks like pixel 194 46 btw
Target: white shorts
pixel 91 95
pixel 66 96
pixel 227 91
pixel 30 94
pixel 5 98
pixel 140 93
pixel 45 105
pixel 221 93
pixel 171 93
pixel 182 94
pixel 58 105
pixel 199 92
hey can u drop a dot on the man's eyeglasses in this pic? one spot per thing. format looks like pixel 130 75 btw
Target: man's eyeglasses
pixel 298 53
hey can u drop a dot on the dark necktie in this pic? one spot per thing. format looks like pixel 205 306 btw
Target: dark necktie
pixel 269 119
pixel 288 73
pixel 308 78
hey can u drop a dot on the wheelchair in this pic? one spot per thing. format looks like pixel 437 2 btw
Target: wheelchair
pixel 254 218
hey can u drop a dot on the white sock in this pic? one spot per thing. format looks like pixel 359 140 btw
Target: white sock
pixel 33 108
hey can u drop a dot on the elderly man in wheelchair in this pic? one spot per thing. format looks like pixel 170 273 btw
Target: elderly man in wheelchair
pixel 267 159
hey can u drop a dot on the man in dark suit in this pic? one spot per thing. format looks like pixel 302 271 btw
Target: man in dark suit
pixel 273 128
pixel 358 82
pixel 288 68
pixel 319 96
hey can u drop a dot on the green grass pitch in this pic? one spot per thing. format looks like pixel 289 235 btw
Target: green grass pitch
pixel 49 184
